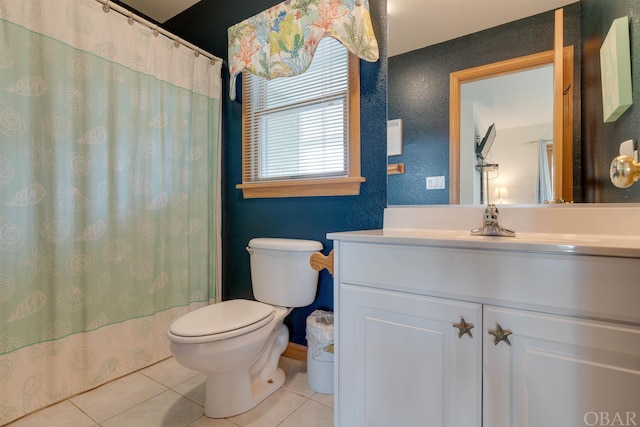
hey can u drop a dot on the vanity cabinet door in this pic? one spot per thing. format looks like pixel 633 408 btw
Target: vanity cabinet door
pixel 559 371
pixel 402 362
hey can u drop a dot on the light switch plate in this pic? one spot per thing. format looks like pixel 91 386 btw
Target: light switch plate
pixel 435 183
pixel 626 148
pixel 394 137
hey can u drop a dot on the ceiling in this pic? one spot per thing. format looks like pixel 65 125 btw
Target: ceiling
pixel 412 24
pixel 160 10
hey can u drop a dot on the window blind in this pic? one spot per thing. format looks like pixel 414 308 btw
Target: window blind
pixel 298 127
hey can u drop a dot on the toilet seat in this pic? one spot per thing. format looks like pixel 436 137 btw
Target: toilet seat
pixel 223 320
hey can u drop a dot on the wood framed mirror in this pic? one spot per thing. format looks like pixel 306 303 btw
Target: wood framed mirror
pixel 563 117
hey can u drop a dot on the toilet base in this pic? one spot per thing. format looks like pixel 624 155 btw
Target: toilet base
pixel 224 402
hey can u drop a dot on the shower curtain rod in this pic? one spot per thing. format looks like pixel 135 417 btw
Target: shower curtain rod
pixel 535 142
pixel 107 5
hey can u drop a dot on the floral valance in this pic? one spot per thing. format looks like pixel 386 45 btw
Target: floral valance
pixel 281 40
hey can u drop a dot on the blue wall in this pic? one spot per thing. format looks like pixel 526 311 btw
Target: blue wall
pixel 601 140
pixel 205 25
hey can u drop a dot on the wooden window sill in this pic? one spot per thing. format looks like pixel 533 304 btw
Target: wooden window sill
pixel 303 188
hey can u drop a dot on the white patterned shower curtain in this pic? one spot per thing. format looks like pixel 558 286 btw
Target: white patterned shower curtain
pixel 544 192
pixel 109 136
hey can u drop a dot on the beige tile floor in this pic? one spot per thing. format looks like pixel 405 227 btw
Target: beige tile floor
pixel 169 395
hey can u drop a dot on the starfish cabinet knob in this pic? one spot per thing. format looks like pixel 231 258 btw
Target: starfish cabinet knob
pixel 463 328
pixel 500 334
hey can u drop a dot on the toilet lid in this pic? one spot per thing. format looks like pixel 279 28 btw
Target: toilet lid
pixel 222 317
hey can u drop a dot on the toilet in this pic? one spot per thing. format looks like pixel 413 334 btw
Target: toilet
pixel 238 343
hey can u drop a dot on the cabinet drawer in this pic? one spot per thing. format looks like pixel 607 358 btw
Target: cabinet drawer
pixel 588 286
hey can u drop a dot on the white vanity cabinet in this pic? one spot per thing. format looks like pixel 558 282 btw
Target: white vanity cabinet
pixel 572 323
pixel 402 363
pixel 560 371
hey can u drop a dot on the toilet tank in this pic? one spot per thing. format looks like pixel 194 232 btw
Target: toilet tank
pixel 281 272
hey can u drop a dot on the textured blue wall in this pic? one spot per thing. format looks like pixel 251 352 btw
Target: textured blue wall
pixel 601 140
pixel 205 25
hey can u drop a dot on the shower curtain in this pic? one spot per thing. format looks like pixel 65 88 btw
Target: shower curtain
pixel 109 136
pixel 544 193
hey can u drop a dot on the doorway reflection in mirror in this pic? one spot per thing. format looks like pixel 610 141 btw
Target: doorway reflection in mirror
pixel 501 114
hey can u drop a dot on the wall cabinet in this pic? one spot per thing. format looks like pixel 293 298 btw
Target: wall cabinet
pixel 417 344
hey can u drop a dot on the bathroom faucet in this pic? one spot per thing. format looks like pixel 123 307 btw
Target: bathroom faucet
pixel 490 226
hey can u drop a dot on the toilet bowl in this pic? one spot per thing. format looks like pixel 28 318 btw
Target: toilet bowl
pixel 238 343
pixel 238 378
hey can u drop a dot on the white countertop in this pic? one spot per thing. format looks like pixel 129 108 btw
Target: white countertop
pixel 598 230
pixel 583 244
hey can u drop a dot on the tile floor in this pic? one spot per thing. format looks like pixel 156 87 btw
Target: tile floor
pixel 169 395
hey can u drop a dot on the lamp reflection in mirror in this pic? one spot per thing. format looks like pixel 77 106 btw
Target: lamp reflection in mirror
pixel 500 194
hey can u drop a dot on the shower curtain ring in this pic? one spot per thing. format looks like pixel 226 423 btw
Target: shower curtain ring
pixel 130 20
pixel 156 32
pixel 105 7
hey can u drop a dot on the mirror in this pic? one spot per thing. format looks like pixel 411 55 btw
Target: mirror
pixel 422 100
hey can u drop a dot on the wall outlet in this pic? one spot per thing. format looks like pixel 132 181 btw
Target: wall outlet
pixel 435 183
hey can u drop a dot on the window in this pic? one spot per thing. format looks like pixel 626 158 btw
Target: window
pixel 301 134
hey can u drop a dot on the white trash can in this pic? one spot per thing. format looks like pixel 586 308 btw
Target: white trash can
pixel 320 351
